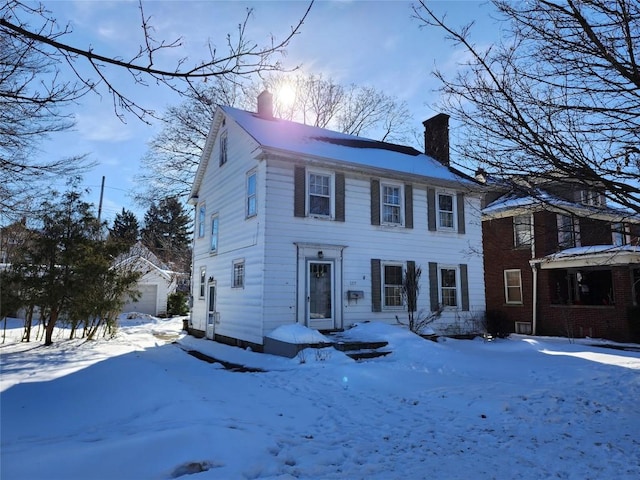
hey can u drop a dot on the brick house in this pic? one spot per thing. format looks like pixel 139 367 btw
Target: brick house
pixel 560 262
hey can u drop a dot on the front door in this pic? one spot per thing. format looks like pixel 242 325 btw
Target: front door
pixel 211 312
pixel 320 304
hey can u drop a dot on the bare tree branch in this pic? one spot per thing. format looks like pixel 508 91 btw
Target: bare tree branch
pixel 558 98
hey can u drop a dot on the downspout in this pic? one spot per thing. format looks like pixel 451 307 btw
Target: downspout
pixel 534 267
pixel 534 317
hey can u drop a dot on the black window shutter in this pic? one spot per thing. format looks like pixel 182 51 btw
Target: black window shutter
pixel 431 209
pixel 375 202
pixel 408 206
pixel 433 286
pixel 339 197
pixel 464 286
pixel 299 192
pixel 461 223
pixel 376 285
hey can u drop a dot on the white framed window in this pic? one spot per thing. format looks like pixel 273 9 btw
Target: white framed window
pixel 620 234
pixel 203 282
pixel 252 206
pixel 392 286
pixel 201 219
pixel 568 233
pixel 522 230
pixel 238 274
pixel 513 286
pixel 214 233
pixel 448 278
pixel 319 194
pixel 591 198
pixel 391 201
pixel 223 148
pixel 446 211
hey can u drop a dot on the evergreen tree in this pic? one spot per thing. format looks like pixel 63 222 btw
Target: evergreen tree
pixel 67 269
pixel 166 232
pixel 126 229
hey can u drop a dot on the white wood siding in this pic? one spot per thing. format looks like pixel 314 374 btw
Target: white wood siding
pixel 224 192
pixel 363 242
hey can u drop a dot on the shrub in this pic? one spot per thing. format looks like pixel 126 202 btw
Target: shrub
pixel 498 324
pixel 177 304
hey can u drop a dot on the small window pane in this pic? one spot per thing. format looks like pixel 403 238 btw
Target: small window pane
pixel 445 210
pixel 393 286
pixel 251 195
pixel 448 288
pixel 238 275
pixel 522 230
pixel 391 211
pixel 223 148
pixel 513 286
pixel 201 217
pixel 319 194
pixel 202 281
pixel 214 234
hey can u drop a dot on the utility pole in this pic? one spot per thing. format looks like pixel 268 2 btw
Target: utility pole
pixel 101 195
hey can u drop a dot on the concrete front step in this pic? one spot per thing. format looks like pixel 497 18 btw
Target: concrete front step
pixel 347 346
pixel 367 354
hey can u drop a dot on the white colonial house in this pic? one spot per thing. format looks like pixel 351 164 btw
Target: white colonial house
pixel 298 224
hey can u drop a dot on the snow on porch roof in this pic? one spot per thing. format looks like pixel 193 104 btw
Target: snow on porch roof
pixel 591 256
pixel 311 141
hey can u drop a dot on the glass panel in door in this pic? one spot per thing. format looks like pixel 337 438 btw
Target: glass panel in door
pixel 320 296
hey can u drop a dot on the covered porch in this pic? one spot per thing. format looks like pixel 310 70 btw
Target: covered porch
pixel 588 292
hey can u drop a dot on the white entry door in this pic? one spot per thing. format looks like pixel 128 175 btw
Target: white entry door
pixel 212 315
pixel 320 301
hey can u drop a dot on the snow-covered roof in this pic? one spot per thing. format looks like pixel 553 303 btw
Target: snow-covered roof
pixel 303 139
pixel 591 256
pixel 285 137
pixel 514 204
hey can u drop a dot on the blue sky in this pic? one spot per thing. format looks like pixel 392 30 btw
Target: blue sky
pixel 374 43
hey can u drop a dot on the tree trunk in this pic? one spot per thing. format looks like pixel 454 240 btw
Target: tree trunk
pixel 53 318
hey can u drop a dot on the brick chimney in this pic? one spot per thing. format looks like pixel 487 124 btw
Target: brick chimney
pixel 265 105
pixel 436 138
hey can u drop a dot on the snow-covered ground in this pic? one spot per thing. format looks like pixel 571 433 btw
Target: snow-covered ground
pixel 140 407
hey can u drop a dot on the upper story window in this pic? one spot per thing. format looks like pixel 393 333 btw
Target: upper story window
pixel 619 234
pixel 522 230
pixel 252 206
pixel 392 285
pixel 214 233
pixel 392 204
pixel 568 235
pixel 448 287
pixel 201 220
pixel 223 148
pixel 319 194
pixel 446 212
pixel 591 197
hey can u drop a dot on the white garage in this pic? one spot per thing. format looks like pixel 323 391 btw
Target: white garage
pixel 155 284
pixel 148 301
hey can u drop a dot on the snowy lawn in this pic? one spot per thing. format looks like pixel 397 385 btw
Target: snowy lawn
pixel 139 407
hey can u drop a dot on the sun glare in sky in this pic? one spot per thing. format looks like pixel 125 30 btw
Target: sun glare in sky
pixel 286 95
